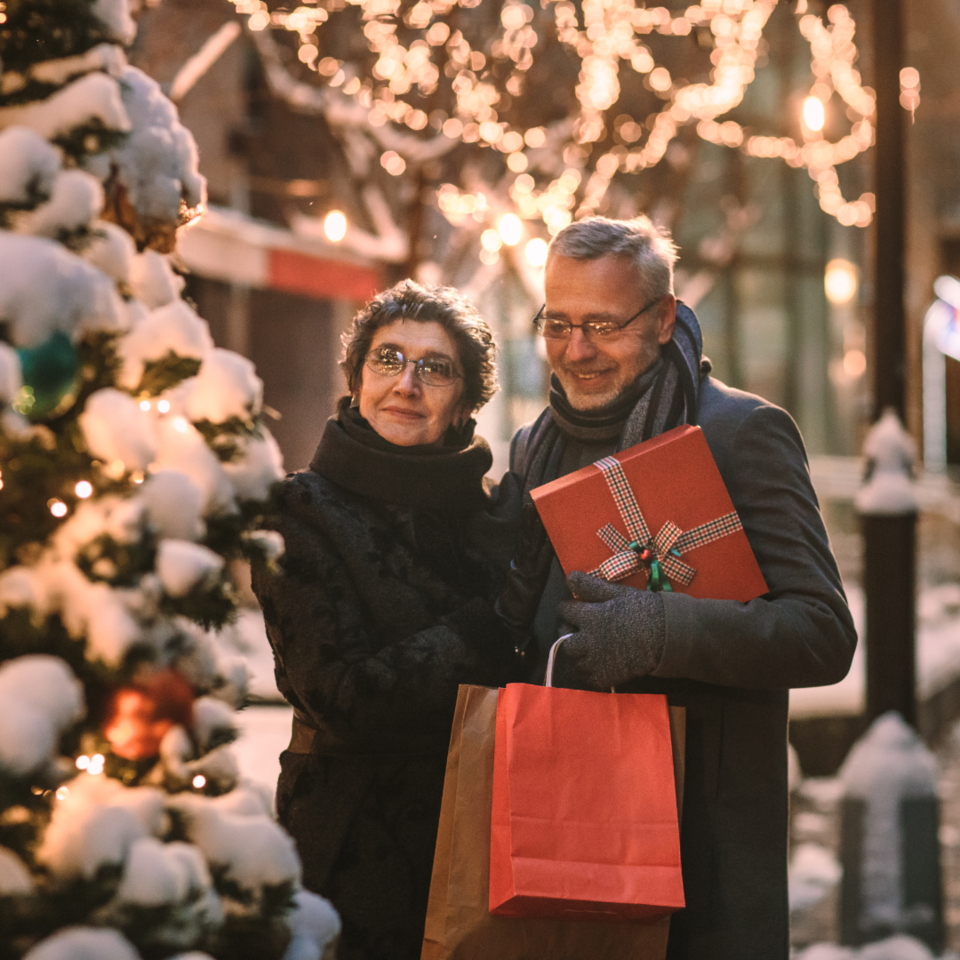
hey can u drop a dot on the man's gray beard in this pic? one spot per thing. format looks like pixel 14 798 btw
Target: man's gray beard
pixel 594 401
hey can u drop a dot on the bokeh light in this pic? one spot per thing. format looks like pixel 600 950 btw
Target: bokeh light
pixel 335 226
pixel 840 281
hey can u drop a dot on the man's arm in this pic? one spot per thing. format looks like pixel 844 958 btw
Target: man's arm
pixel 799 633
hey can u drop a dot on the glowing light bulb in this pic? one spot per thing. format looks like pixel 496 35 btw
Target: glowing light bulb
pixel 491 240
pixel 145 405
pixel 510 229
pixel 536 252
pixel 163 406
pixel 840 281
pixel 63 793
pixel 83 489
pixel 335 226
pixel 814 115
pixel 199 781
pixel 83 761
pixel 58 508
pixel 854 363
pixel 180 425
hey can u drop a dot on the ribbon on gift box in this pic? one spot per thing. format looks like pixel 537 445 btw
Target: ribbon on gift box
pixel 659 556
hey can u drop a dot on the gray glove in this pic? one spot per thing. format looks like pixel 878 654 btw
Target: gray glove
pixel 620 631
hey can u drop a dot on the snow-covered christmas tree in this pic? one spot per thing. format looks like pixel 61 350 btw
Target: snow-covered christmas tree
pixel 133 466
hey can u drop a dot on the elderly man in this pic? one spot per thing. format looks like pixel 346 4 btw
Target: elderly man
pixel 627 365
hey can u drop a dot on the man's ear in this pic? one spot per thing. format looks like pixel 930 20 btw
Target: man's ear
pixel 666 318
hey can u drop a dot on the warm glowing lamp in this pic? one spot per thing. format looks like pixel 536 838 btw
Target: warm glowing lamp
pixel 840 281
pixel 335 226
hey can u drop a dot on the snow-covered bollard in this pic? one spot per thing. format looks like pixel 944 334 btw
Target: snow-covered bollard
pixel 889 844
pixel 887 504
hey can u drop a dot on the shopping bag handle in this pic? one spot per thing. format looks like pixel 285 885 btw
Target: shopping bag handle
pixel 552 656
pixel 548 680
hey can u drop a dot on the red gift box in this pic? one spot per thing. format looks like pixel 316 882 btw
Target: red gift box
pixel 655 516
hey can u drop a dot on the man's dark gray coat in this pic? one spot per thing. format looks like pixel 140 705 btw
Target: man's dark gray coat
pixel 731 665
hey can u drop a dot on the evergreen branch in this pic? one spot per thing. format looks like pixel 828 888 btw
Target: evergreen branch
pixel 166 373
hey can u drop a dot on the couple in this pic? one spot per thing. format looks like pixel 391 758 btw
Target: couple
pixel 392 591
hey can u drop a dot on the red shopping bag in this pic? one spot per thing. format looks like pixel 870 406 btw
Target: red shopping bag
pixel 584 817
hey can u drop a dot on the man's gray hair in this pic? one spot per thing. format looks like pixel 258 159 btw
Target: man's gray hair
pixel 651 249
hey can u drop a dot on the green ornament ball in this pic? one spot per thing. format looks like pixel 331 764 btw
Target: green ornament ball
pixel 51 377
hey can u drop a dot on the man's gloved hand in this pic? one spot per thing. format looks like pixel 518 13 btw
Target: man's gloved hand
pixel 620 631
pixel 528 572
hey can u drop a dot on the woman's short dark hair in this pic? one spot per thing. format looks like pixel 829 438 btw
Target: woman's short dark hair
pixel 408 300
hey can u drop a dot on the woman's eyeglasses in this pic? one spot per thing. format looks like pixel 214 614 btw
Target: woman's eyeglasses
pixel 433 371
pixel 551 329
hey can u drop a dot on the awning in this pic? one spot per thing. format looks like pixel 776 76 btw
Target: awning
pixel 230 246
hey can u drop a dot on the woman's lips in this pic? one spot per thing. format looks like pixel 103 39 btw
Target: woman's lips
pixel 403 413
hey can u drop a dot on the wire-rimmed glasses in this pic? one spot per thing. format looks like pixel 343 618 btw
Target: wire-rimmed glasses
pixel 553 329
pixel 433 371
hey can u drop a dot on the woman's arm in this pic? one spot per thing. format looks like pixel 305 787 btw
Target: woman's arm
pixel 343 657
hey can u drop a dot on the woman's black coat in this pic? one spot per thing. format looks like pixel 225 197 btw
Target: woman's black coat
pixel 383 605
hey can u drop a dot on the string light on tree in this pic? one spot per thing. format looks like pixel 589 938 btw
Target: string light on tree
pixel 814 116
pixel 430 80
pixel 910 89
pixel 510 229
pixel 536 252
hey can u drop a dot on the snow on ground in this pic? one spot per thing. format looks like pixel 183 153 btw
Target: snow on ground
pixel 250 639
pixel 895 948
pixel 938 655
pixel 264 734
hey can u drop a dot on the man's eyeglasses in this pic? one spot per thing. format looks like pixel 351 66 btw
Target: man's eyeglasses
pixel 433 371
pixel 551 329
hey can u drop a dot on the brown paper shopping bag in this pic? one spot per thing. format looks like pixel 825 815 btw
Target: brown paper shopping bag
pixel 459 925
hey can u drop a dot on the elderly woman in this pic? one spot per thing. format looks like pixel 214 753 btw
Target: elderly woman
pixel 384 604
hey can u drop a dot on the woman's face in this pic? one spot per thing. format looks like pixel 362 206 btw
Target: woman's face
pixel 402 408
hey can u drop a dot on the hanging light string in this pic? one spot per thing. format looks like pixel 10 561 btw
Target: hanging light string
pixel 612 33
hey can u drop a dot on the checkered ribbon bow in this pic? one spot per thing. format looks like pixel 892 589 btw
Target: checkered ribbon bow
pixel 659 556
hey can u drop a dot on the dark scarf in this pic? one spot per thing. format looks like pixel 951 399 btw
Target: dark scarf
pixel 662 398
pixel 446 477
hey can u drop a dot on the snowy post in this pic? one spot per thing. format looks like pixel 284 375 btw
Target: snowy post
pixel 889 843
pixel 887 504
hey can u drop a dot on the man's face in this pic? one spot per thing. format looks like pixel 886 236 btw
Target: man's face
pixel 595 373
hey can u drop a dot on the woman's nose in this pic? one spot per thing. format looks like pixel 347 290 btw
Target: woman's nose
pixel 408 382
